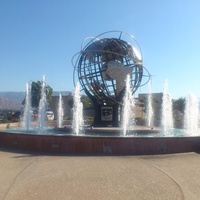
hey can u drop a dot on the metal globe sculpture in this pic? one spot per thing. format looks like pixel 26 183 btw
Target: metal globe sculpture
pixel 103 65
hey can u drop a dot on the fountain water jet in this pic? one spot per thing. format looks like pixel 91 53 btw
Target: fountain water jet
pixel 42 107
pixel 149 107
pixel 191 117
pixel 128 106
pixel 167 116
pixel 26 121
pixel 77 123
pixel 60 112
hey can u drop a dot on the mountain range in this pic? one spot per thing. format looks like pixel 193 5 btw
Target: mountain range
pixel 13 100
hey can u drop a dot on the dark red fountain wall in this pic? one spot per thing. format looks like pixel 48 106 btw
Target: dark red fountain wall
pixel 63 144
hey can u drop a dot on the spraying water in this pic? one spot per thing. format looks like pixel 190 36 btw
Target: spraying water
pixel 191 118
pixel 77 124
pixel 42 107
pixel 60 112
pixel 128 105
pixel 167 116
pixel 149 107
pixel 26 121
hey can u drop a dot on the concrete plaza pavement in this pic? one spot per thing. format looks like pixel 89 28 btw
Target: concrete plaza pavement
pixel 26 176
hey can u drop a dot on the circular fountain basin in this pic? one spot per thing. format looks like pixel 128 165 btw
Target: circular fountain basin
pixel 142 143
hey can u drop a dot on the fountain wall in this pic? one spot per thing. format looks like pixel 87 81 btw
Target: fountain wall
pixel 98 145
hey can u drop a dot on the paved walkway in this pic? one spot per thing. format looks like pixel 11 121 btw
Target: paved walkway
pixel 56 177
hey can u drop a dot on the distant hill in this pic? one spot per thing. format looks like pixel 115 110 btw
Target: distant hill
pixel 63 93
pixel 13 100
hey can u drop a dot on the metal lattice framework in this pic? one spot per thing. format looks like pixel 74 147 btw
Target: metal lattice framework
pixel 104 63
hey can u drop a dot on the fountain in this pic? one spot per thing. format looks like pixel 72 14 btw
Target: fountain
pixel 42 108
pixel 128 106
pixel 102 66
pixel 167 116
pixel 26 121
pixel 60 112
pixel 105 143
pixel 191 118
pixel 27 114
pixel 77 124
pixel 149 107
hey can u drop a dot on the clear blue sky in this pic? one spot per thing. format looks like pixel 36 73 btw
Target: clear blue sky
pixel 39 37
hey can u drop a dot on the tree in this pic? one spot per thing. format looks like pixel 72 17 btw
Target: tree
pixel 36 89
pixel 87 104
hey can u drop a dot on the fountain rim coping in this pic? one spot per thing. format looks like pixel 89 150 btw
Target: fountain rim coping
pixel 95 136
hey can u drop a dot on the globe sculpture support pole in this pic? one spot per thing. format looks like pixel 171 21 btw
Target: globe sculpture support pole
pixel 102 67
